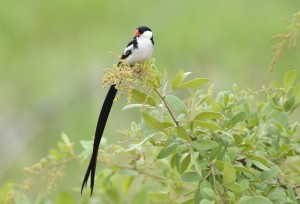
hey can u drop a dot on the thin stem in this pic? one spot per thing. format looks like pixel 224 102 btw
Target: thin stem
pixel 130 140
pixel 160 178
pixel 213 175
pixel 166 105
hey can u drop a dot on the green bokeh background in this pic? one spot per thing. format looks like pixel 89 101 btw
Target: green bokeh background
pixel 52 54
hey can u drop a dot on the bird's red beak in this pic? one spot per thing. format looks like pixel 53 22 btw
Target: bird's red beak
pixel 136 33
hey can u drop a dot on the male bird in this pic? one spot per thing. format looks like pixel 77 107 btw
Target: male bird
pixel 138 50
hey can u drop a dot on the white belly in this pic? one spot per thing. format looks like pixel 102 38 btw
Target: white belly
pixel 142 53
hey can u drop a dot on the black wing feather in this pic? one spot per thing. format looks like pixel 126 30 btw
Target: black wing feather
pixel 128 52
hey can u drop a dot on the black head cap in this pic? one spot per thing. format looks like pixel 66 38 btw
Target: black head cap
pixel 142 29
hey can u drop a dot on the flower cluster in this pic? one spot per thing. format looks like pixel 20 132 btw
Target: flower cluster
pixel 125 77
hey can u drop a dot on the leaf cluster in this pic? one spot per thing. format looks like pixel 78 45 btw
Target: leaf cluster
pixel 235 146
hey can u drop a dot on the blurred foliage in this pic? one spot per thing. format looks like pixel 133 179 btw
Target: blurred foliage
pixel 52 52
pixel 289 40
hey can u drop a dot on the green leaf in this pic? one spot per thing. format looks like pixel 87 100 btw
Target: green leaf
pixel 207 125
pixel 235 88
pixel 296 91
pixel 226 99
pixel 194 83
pixel 220 165
pixel 166 125
pixel 203 99
pixel 184 147
pixel 268 174
pixel 197 196
pixel 204 144
pixel 185 163
pixel 194 156
pixel 178 159
pixel 260 165
pixel 209 192
pixel 283 119
pixel 173 161
pixel 278 196
pixel 234 187
pixel 255 200
pixel 142 98
pixel 231 197
pixel 191 176
pixel 238 139
pixel 66 139
pixel 245 183
pixel 134 127
pixel 152 122
pixel 138 105
pixel 202 185
pixel 164 89
pixel 288 105
pixel 231 153
pixel 238 118
pixel 258 158
pixel 176 104
pixel 183 134
pixel 229 174
pixel 166 151
pixel 177 80
pixel 291 194
pixel 55 154
pixel 276 100
pixel 127 184
pixel 215 151
pixel 208 115
pixel 243 169
pixel 289 78
pixel 276 84
pixel 253 120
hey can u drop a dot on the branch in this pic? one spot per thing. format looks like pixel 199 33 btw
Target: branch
pixel 160 178
pixel 166 105
pixel 213 175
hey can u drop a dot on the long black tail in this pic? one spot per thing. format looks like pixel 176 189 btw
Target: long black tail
pixel 98 135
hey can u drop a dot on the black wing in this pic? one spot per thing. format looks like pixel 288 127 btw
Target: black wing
pixel 129 51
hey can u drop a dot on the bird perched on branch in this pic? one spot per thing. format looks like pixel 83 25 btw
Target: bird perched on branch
pixel 138 50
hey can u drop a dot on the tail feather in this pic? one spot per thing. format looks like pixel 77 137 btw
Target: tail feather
pixel 98 135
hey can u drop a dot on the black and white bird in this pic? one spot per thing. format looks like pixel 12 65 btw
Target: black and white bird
pixel 138 50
